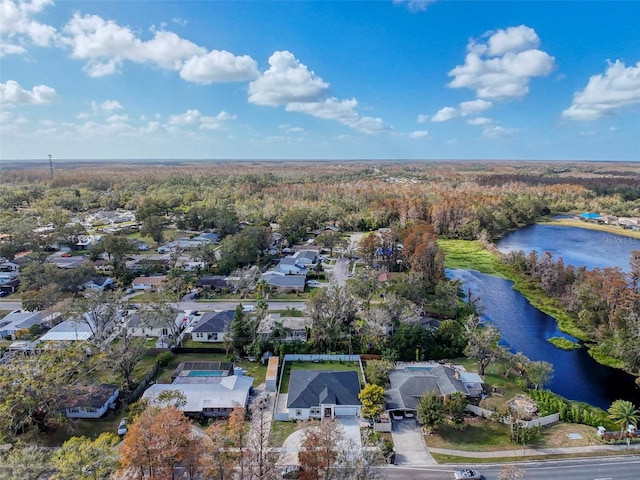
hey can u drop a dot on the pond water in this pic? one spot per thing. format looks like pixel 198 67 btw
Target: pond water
pixel 577 246
pixel 526 329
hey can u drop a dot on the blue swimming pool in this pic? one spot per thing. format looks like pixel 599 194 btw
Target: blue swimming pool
pixel 205 373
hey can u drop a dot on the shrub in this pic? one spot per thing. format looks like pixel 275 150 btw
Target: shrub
pixel 164 359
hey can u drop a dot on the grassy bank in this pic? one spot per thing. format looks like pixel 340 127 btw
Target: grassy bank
pixel 563 343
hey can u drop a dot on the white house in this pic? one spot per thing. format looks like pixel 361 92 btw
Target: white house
pixel 98 284
pixel 210 399
pixel 68 331
pixel 212 326
pixel 148 283
pixel 323 394
pixel 90 401
pixel 138 326
pixel 18 320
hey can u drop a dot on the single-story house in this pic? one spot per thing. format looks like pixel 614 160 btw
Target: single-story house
pixel 90 401
pixel 99 284
pixel 103 266
pixel 323 394
pixel 212 326
pixel 9 267
pixel 212 282
pixel 19 320
pixel 207 399
pixel 9 282
pixel 68 331
pixel 85 242
pixel 137 326
pixel 306 257
pixel 147 283
pixel 208 237
pixel 290 266
pixel 410 383
pixel 293 328
pixel 285 283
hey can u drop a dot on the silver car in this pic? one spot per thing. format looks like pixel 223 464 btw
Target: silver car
pixel 467 474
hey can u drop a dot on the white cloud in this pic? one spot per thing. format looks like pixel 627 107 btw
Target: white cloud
pixel 219 66
pixel 106 45
pixel 110 105
pixel 82 116
pixel 445 114
pixel 479 121
pixel 422 118
pixel 474 106
pixel 194 117
pixel 11 94
pixel 286 81
pixel 342 111
pixel 415 5
pixel 118 119
pixel 496 131
pixel 419 134
pixel 606 94
pixel 17 25
pixel 291 129
pixel 502 67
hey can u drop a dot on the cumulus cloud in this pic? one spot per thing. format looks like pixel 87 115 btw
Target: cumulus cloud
pixel 496 131
pixel 110 105
pixel 445 114
pixel 342 111
pixel 415 5
pixel 286 81
pixel 606 94
pixel 118 118
pixel 291 129
pixel 11 94
pixel 474 106
pixel 479 121
pixel 502 66
pixel 194 117
pixel 422 118
pixel 18 26
pixel 106 45
pixel 219 66
pixel 419 134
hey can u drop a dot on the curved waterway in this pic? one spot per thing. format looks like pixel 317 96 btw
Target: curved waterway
pixel 526 329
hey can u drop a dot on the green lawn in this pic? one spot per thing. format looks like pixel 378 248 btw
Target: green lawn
pixel 280 431
pixel 470 255
pixel 341 366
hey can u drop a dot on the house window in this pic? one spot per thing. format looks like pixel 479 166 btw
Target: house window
pixel 298 413
pixel 74 410
pixel 165 331
pixel 315 411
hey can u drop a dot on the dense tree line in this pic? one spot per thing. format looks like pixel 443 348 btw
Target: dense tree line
pixel 604 303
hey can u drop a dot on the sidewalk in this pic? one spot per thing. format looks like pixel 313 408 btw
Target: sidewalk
pixel 531 452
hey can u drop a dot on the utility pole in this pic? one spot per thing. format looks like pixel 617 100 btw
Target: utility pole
pixel 50 166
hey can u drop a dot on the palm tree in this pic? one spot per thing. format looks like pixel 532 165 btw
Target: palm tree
pixel 624 413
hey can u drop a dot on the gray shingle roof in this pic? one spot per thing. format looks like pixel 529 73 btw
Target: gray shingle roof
pixel 214 321
pixel 311 388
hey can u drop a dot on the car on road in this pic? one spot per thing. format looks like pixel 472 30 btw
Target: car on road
pixel 248 308
pixel 122 427
pixel 313 283
pixel 467 474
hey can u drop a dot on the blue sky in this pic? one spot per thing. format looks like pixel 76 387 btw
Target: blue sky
pixel 521 80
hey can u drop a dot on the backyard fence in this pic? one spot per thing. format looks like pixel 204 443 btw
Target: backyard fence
pixel 137 392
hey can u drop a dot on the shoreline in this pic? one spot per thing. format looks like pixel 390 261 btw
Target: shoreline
pixel 567 222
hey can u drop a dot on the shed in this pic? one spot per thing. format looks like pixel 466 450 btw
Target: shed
pixel 272 373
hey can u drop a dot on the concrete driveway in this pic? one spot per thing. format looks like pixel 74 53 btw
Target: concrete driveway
pixel 408 443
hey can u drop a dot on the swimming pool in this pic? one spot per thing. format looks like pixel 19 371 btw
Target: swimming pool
pixel 205 373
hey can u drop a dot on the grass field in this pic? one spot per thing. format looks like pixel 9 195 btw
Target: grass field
pixel 470 255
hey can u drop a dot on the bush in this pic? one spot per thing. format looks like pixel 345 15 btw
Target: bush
pixel 164 359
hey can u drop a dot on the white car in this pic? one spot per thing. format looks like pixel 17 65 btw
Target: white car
pixel 122 427
pixel 467 474
pixel 313 283
pixel 248 308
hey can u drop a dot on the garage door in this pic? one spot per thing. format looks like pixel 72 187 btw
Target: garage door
pixel 346 411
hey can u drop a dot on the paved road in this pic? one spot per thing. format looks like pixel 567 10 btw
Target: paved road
pixel 10 305
pixel 608 468
pixel 339 271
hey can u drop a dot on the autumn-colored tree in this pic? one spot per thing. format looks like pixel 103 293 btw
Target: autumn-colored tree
pixel 219 458
pixel 319 449
pixel 237 432
pixel 372 398
pixel 156 443
pixel 368 246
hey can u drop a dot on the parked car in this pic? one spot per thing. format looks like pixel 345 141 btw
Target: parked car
pixel 66 254
pixel 290 471
pixel 467 474
pixel 122 427
pixel 397 416
pixel 248 308
pixel 313 283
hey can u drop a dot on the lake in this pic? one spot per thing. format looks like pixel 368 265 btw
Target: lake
pixel 577 246
pixel 526 329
